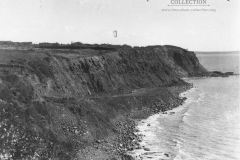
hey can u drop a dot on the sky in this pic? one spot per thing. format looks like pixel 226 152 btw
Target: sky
pixel 137 22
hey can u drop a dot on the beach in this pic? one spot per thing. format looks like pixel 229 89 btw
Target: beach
pixel 182 133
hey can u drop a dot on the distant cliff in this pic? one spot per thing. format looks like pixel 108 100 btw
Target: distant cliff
pixel 52 99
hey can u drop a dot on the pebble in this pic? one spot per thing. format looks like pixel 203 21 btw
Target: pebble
pixel 166 154
pixel 98 141
pixel 146 149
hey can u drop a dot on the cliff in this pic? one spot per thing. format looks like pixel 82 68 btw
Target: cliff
pixel 58 102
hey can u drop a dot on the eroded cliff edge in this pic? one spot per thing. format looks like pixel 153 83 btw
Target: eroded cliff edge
pixel 60 102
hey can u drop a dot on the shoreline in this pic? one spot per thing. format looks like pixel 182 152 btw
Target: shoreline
pixel 155 147
pixel 143 127
pixel 138 134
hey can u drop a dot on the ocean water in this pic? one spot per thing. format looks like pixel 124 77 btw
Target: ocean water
pixel 205 127
pixel 220 61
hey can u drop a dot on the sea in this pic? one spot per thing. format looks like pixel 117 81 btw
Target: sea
pixel 206 126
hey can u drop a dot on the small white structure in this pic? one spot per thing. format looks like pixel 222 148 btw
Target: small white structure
pixel 115 33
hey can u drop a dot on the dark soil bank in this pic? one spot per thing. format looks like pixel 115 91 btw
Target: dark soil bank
pixel 83 103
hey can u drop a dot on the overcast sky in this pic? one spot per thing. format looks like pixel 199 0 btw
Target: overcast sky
pixel 138 22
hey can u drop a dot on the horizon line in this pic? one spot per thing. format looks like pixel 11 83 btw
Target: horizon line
pixel 216 51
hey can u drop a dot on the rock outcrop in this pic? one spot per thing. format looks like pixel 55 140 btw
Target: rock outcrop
pixel 57 101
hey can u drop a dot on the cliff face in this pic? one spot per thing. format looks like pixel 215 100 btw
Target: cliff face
pixel 60 73
pixel 54 97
